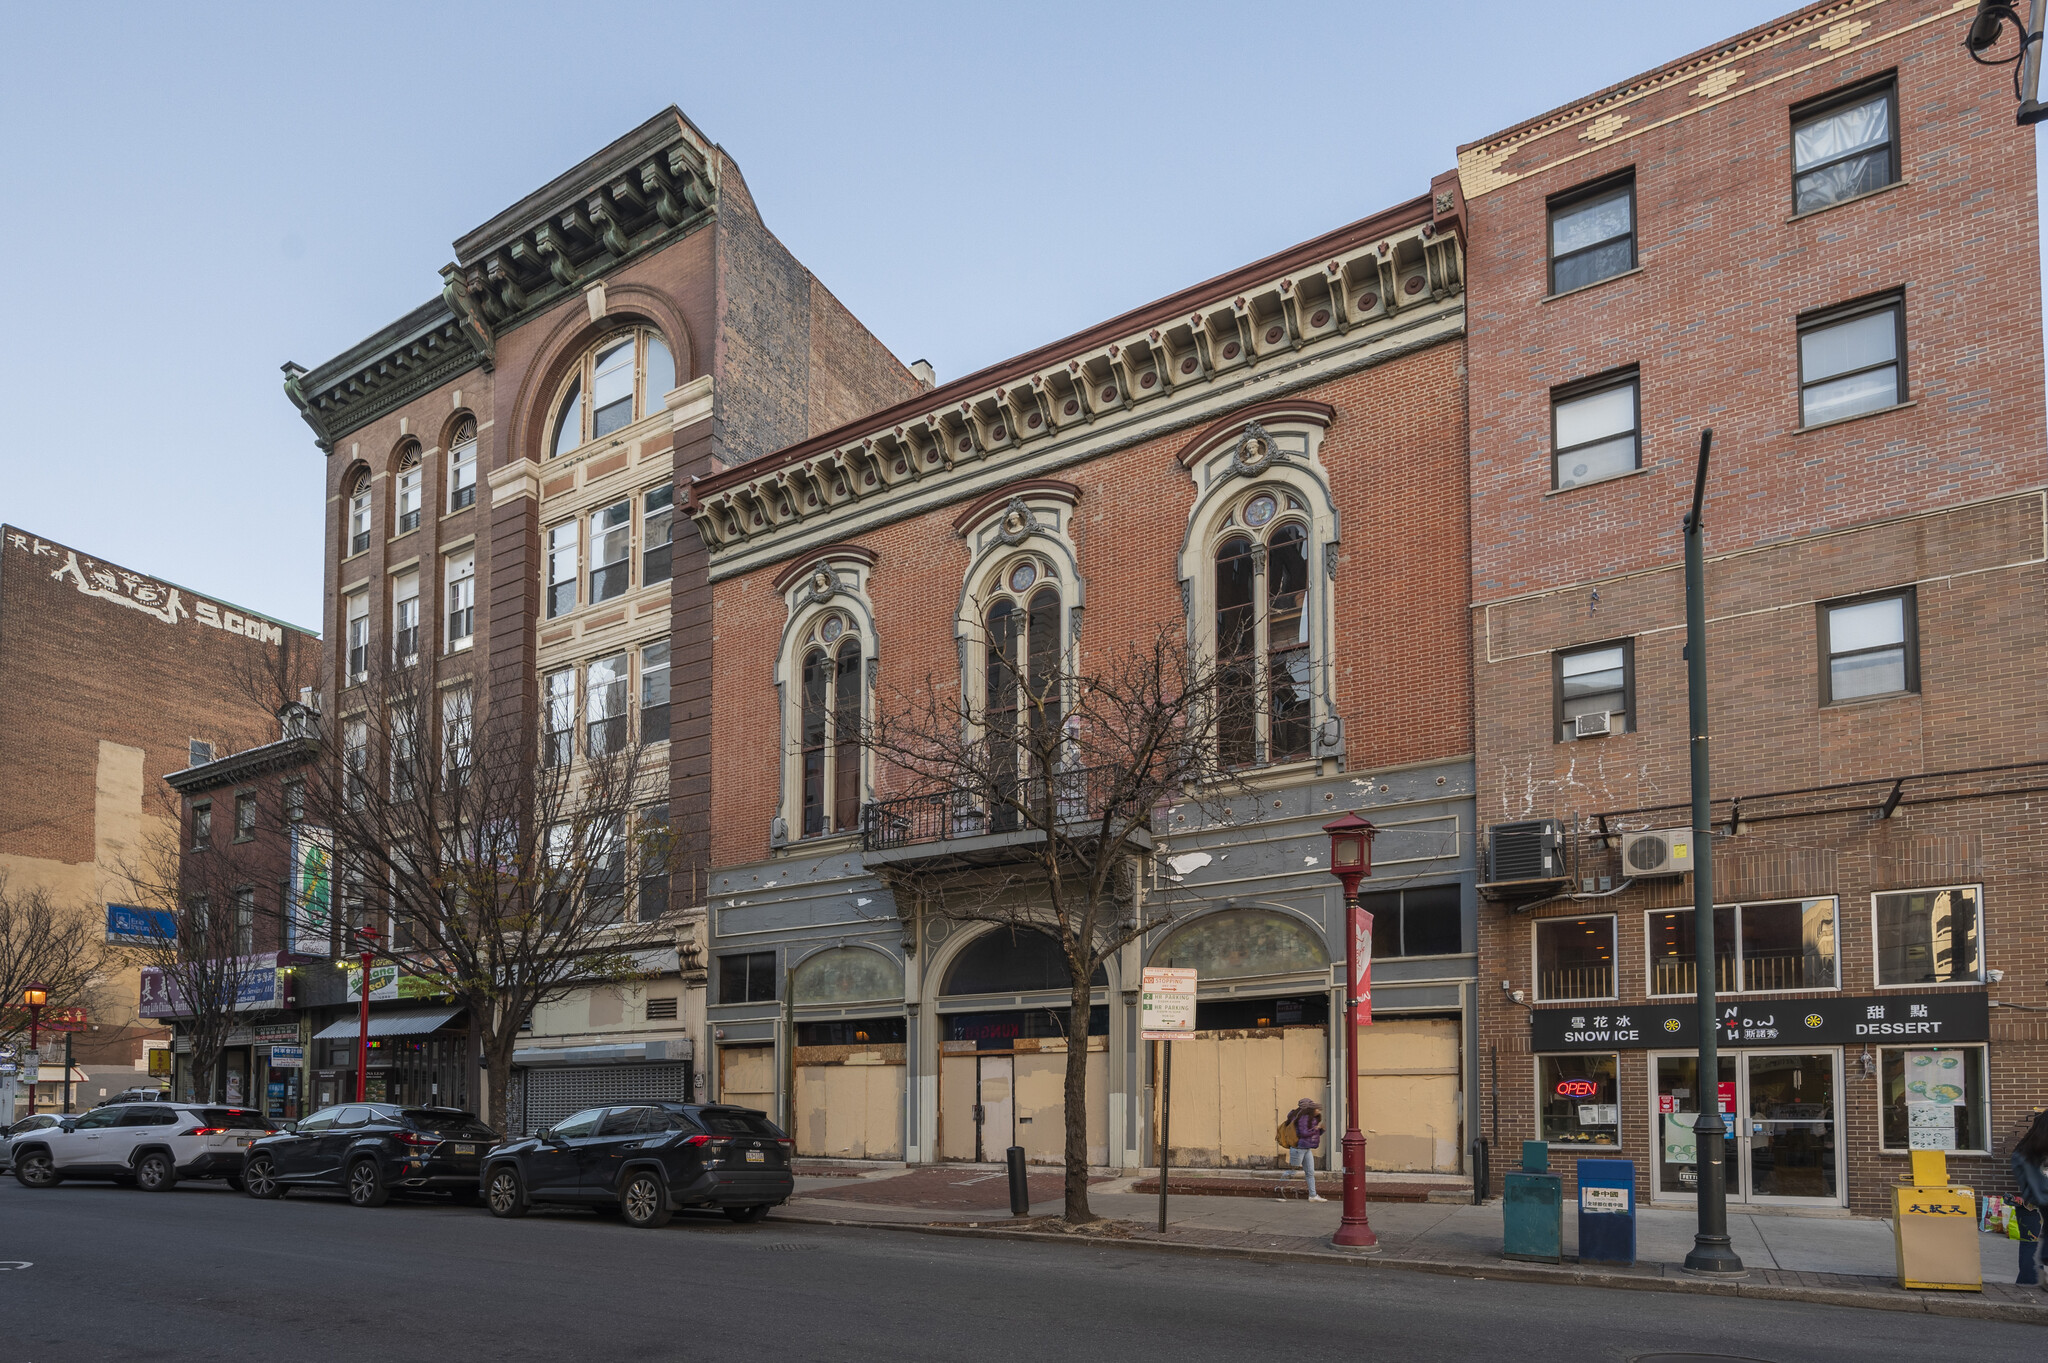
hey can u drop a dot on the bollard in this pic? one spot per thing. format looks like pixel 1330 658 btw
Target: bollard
pixel 1020 1186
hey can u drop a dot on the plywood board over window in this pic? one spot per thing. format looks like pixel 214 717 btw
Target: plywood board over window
pixel 849 1101
pixel 1231 1087
pixel 1408 1090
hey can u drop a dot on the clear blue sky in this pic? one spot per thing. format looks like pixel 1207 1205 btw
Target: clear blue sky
pixel 196 193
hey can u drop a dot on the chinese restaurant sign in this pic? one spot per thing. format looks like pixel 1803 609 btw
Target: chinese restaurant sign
pixel 1834 1020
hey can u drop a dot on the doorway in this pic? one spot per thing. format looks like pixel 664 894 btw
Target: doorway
pixel 1783 1110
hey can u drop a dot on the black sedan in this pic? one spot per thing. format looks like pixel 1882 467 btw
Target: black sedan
pixel 646 1161
pixel 371 1150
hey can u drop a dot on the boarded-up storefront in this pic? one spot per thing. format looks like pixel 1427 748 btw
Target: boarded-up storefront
pixel 990 1100
pixel 849 1101
pixel 1231 1087
pixel 1408 1084
pixel 746 1076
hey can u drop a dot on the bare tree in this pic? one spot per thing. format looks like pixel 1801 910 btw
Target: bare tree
pixel 497 864
pixel 49 945
pixel 1078 762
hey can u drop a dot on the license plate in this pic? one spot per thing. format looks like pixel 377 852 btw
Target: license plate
pixel 243 1141
pixel 465 1149
pixel 757 1157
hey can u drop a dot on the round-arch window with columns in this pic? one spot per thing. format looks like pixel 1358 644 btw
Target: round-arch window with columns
pixel 1260 562
pixel 617 381
pixel 1022 651
pixel 831 694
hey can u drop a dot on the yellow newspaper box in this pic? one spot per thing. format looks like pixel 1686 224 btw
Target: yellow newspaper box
pixel 1934 1226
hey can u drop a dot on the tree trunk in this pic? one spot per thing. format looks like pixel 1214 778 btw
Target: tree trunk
pixel 204 1067
pixel 1077 1210
pixel 499 1115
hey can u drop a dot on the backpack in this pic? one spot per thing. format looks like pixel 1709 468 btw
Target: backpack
pixel 1286 1134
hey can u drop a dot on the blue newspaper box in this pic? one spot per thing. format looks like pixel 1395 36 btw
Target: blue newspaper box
pixel 1607 1211
pixel 1532 1209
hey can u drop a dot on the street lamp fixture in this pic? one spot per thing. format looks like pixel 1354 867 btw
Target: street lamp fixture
pixel 33 998
pixel 1987 26
pixel 1351 861
pixel 366 946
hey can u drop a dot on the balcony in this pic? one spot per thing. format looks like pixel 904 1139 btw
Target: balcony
pixel 972 827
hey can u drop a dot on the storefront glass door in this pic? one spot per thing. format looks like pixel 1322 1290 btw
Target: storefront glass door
pixel 1783 1115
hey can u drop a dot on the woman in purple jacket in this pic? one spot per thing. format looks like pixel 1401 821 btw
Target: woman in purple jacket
pixel 2030 1195
pixel 1308 1136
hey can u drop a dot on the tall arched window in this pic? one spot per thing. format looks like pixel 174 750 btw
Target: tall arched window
pixel 623 379
pixel 829 727
pixel 359 514
pixel 407 504
pixel 1020 676
pixel 462 465
pixel 1262 631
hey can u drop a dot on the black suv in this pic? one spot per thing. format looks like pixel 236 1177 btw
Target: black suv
pixel 371 1150
pixel 646 1161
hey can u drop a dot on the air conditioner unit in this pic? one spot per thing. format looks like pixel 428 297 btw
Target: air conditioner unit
pixel 1525 850
pixel 1594 724
pixel 1660 852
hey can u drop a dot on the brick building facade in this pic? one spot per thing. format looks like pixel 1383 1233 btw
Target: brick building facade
pixel 113 678
pixel 1819 238
pixel 502 465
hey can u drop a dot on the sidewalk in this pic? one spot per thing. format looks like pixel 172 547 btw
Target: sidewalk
pixel 1837 1260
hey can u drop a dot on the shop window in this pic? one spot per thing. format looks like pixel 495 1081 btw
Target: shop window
pixel 1299 1010
pixel 1930 936
pixel 853 1032
pixel 1844 147
pixel 1238 943
pixel 1868 648
pixel 1758 948
pixel 846 975
pixel 747 978
pixel 1422 921
pixel 1851 361
pixel 1595 430
pixel 1592 235
pixel 1934 1099
pixel 1011 961
pixel 1575 958
pixel 1578 1099
pixel 1593 692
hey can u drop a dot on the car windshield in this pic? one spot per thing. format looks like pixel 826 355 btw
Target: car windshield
pixel 442 1122
pixel 235 1119
pixel 730 1123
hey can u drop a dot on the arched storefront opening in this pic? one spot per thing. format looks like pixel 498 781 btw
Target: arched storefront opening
pixel 1003 1042
pixel 850 1061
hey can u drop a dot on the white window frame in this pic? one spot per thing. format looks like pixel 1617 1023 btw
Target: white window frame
pixel 459 587
pixel 411 484
pixel 400 599
pixel 610 536
pixel 593 712
pixel 582 379
pixel 1535 958
pixel 359 517
pixel 461 471
pixel 356 613
pixel 458 720
pixel 561 566
pixel 1536 1092
pixel 1983 941
pixel 1650 961
pixel 1983 1048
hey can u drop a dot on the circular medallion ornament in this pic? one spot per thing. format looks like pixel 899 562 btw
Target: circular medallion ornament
pixel 1187 366
pixel 1368 301
pixel 1414 284
pixel 834 627
pixel 1273 335
pixel 1149 380
pixel 1109 393
pixel 1230 351
pixel 1259 510
pixel 821 581
pixel 1071 408
pixel 999 434
pixel 1319 318
pixel 1034 421
pixel 1022 576
pixel 965 444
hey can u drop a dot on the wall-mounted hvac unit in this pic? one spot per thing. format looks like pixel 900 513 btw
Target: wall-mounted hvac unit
pixel 1594 724
pixel 1531 849
pixel 1660 852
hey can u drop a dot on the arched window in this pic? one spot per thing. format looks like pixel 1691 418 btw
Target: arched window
pixel 462 465
pixel 623 379
pixel 359 514
pixel 1262 630
pixel 408 501
pixel 829 727
pixel 1020 676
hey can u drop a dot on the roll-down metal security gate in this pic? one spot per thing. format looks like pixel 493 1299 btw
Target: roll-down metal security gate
pixel 544 1095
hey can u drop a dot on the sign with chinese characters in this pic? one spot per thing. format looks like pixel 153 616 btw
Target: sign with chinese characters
pixel 252 980
pixel 1826 1020
pixel 1604 1200
pixel 158 600
pixel 312 920
pixel 387 981
pixel 1166 1003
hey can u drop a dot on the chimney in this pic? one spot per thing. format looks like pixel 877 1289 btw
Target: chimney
pixel 927 377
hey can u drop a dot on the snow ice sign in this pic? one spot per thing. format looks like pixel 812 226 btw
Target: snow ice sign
pixel 1166 1003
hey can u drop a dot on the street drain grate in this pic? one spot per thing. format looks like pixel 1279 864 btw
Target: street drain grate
pixel 1696 1358
pixel 787 1246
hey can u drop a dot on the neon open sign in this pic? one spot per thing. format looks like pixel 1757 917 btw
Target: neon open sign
pixel 1578 1088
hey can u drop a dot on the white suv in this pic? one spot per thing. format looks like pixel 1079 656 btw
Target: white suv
pixel 146 1145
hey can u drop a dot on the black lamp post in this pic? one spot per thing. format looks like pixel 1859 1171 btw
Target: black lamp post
pixel 1351 861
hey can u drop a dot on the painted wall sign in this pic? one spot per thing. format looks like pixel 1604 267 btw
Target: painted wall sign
pixel 254 979
pixel 126 923
pixel 158 600
pixel 1833 1020
pixel 311 931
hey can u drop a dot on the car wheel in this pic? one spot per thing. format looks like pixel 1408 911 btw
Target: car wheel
pixel 365 1185
pixel 156 1173
pixel 504 1192
pixel 644 1202
pixel 747 1216
pixel 259 1179
pixel 34 1170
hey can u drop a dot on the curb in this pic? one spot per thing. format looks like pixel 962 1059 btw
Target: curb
pixel 1960 1306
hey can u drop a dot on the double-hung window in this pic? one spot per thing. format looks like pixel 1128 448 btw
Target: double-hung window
pixel 461 622
pixel 1595 430
pixel 462 466
pixel 245 921
pixel 405 619
pixel 358 638
pixel 1594 691
pixel 657 534
pixel 402 752
pixel 561 569
pixel 359 515
pixel 654 692
pixel 355 761
pixel 1844 147
pixel 611 551
pixel 1592 235
pixel 409 490
pixel 605 706
pixel 558 717
pixel 604 883
pixel 1867 647
pixel 456 716
pixel 656 852
pixel 245 816
pixel 202 826
pixel 1852 360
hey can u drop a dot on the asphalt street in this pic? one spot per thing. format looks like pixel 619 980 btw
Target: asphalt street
pixel 200 1273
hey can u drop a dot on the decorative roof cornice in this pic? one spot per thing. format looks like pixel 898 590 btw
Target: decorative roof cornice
pixel 844 552
pixel 1361 287
pixel 416 354
pixel 282 755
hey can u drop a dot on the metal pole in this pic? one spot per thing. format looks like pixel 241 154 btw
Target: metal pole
pixel 2030 110
pixel 363 1035
pixel 1355 1231
pixel 1165 1122
pixel 1711 1251
pixel 67 1073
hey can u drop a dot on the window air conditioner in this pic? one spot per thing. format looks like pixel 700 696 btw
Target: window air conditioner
pixel 1593 724
pixel 1660 852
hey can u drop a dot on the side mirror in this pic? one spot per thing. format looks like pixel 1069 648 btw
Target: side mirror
pixel 68 1124
pixel 289 1128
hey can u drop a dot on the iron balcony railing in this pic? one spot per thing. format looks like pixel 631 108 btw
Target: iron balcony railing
pixel 976 812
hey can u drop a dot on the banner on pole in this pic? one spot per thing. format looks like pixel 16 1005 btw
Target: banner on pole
pixel 1361 956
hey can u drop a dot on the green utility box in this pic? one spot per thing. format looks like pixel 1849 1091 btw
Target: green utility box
pixel 1532 1209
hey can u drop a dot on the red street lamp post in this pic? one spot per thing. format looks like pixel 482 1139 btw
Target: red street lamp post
pixel 1351 861
pixel 366 942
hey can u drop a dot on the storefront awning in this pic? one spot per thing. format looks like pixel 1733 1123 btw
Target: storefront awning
pixel 411 1022
pixel 673 1048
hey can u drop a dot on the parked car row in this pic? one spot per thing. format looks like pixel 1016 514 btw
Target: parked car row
pixel 644 1161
